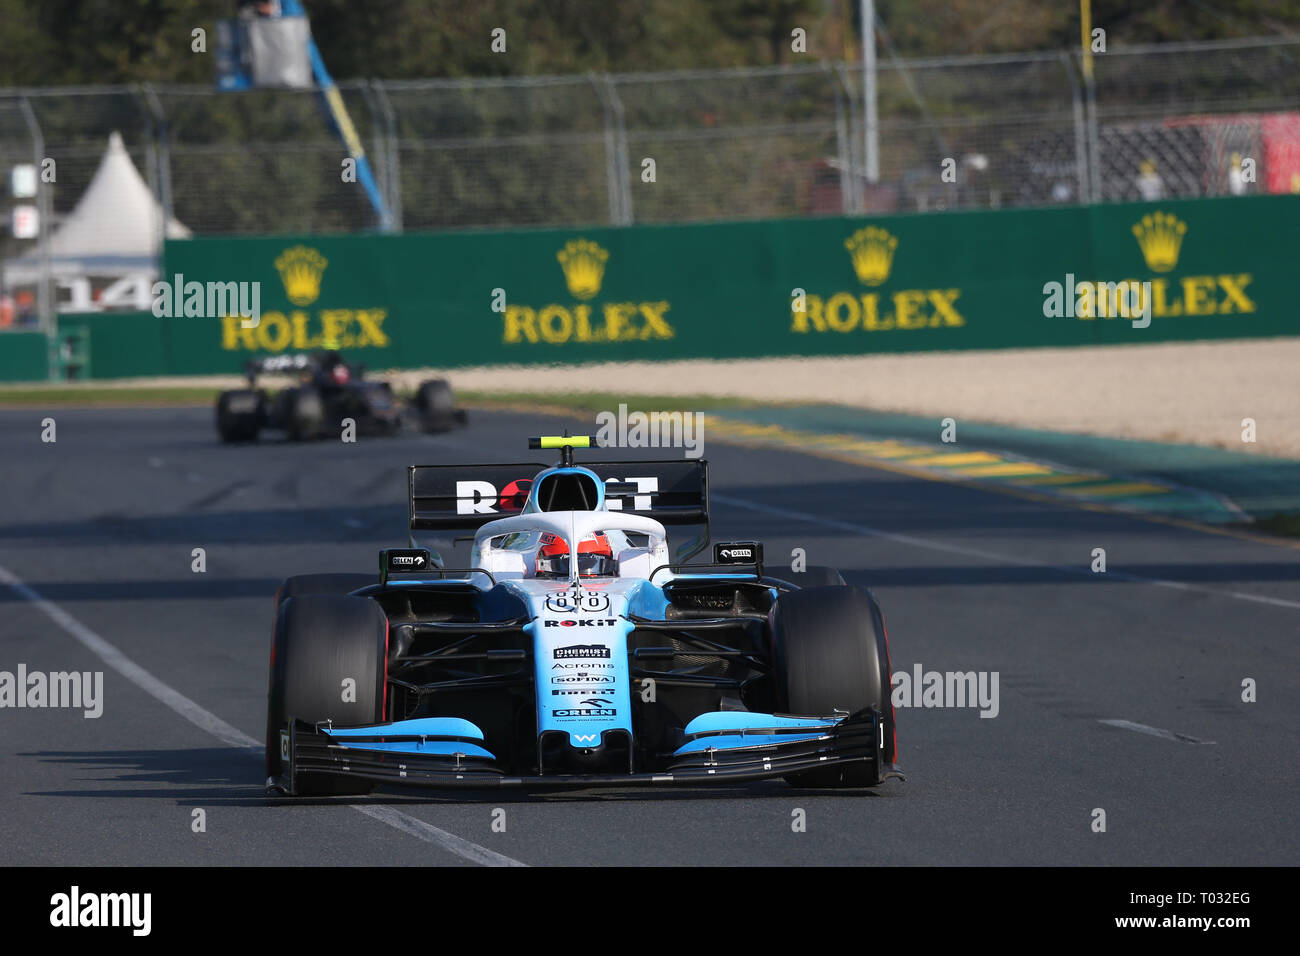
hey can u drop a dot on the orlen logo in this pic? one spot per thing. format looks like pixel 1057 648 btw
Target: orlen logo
pixel 406 559
pixel 736 553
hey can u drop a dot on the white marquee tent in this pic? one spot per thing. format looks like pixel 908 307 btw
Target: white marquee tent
pixel 112 232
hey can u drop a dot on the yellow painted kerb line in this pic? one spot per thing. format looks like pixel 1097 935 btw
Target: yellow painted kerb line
pixel 896 463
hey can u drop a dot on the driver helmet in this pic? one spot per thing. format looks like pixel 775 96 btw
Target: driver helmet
pixel 595 556
pixel 334 367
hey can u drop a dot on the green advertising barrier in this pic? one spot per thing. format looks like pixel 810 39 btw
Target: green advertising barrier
pixel 1216 268
pixel 122 344
pixel 24 357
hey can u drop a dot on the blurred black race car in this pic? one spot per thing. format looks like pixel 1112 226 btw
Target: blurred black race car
pixel 329 391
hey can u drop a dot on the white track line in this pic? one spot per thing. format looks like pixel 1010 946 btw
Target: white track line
pixel 1015 560
pixel 1153 731
pixel 233 736
pixel 431 834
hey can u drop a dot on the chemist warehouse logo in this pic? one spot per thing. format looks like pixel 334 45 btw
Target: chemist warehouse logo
pixel 302 270
pixel 871 251
pixel 583 264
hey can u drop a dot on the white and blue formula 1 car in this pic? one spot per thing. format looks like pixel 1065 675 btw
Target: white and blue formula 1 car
pixel 574 652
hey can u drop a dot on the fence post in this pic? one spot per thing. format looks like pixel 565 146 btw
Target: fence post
pixel 158 168
pixel 44 209
pixel 1093 137
pixel 617 164
pixel 625 161
pixel 845 141
pixel 385 138
pixel 611 149
pixel 394 154
pixel 1080 132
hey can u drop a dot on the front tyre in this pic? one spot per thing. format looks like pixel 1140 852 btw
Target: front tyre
pixel 329 661
pixel 831 654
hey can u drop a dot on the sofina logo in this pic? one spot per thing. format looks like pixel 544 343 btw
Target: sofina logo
pixel 871 252
pixel 583 264
pixel 1160 237
pixel 301 270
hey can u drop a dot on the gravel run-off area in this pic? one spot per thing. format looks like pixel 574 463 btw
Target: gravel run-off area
pixel 1197 392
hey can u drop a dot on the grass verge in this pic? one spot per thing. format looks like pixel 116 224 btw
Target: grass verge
pixel 105 397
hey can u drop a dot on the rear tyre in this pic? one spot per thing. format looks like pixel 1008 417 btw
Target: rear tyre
pixel 832 654
pixel 239 414
pixel 435 404
pixel 319 642
pixel 304 414
pixel 814 576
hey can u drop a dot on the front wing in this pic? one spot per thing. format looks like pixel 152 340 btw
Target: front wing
pixel 429 756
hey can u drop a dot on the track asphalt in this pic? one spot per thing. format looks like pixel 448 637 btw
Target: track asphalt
pixel 1119 691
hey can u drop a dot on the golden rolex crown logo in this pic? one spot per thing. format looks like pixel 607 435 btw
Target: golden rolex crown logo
pixel 583 263
pixel 1160 237
pixel 872 252
pixel 300 270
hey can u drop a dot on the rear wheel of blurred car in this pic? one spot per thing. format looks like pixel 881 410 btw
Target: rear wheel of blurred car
pixel 329 661
pixel 435 404
pixel 832 655
pixel 239 414
pixel 304 414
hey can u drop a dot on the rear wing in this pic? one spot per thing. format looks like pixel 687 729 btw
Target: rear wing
pixel 277 364
pixel 294 363
pixel 463 498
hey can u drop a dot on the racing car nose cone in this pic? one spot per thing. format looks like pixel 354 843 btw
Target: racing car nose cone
pixel 561 753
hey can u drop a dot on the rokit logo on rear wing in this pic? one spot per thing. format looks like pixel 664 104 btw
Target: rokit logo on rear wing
pixel 466 497
pixel 483 497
